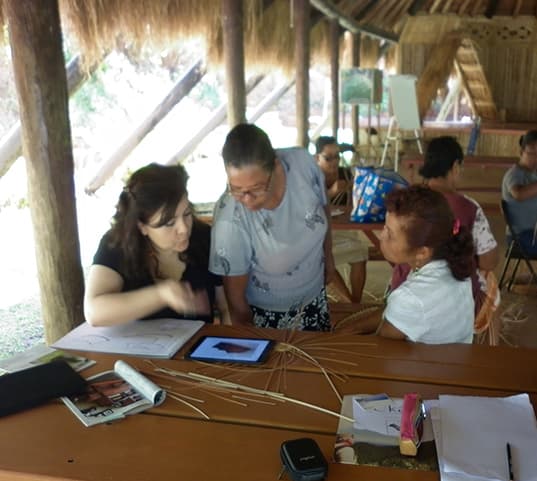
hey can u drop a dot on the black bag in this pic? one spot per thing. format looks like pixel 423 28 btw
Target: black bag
pixel 30 387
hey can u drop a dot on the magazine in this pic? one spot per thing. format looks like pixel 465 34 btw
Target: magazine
pixel 42 354
pixel 114 394
pixel 374 439
pixel 159 338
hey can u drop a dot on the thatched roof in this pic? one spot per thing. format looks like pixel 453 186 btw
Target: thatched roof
pixel 269 40
pixel 98 26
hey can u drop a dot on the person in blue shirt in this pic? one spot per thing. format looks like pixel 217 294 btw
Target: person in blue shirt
pixel 271 234
pixel 519 190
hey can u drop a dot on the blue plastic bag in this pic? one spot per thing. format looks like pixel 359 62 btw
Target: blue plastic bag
pixel 369 190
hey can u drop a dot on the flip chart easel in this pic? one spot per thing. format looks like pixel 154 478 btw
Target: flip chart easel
pixel 405 114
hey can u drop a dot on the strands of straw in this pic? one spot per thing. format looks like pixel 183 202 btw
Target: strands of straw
pixel 254 400
pixel 304 355
pixel 357 316
pixel 210 382
pixel 190 405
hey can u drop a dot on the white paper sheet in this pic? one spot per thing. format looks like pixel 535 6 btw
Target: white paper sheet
pixel 474 432
pixel 377 413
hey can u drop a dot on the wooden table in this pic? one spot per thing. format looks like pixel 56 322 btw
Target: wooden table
pixel 342 222
pixel 241 442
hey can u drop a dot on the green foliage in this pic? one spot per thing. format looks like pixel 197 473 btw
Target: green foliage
pixel 93 89
pixel 207 94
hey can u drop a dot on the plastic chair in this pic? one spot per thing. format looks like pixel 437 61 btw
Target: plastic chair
pixel 515 251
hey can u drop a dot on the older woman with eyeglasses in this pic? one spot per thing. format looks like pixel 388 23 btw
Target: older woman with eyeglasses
pixel 271 234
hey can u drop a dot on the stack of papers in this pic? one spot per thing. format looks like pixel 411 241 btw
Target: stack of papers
pixel 472 434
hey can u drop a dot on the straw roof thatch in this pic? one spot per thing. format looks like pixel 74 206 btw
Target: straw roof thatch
pixel 505 45
pixel 97 26
pixel 269 33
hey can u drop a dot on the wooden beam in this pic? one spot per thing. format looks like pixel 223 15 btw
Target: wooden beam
pixel 372 13
pixel 492 6
pixel 11 143
pixel 362 12
pixel 380 17
pixel 218 116
pixel 447 6
pixel 434 6
pixel 301 17
pixel 416 7
pixel 180 90
pixel 516 10
pixel 355 109
pixel 477 6
pixel 334 73
pixel 397 11
pixel 466 88
pixel 331 11
pixel 36 45
pixel 463 7
pixel 233 47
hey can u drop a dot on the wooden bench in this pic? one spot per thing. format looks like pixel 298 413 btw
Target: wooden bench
pixel 469 161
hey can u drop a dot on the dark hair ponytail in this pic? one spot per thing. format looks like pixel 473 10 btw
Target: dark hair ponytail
pixel 458 252
pixel 442 153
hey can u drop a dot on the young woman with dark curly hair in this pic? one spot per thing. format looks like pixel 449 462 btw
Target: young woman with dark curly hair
pixel 153 262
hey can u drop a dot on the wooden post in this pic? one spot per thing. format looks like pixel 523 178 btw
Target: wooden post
pixel 355 110
pixel 301 19
pixel 334 73
pixel 180 90
pixel 233 45
pixel 36 45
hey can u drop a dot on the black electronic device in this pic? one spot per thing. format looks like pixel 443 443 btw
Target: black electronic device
pixel 303 460
pixel 230 349
pixel 36 385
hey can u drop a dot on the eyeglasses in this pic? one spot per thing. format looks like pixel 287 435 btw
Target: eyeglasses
pixel 330 158
pixel 253 193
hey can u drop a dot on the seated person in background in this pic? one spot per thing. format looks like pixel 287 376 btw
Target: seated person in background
pixel 346 245
pixel 271 237
pixel 519 190
pixel 434 304
pixel 441 171
pixel 153 262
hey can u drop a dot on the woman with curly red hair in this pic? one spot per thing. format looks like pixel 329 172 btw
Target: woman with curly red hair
pixel 434 304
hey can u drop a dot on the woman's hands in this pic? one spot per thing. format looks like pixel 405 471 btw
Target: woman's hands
pixel 180 297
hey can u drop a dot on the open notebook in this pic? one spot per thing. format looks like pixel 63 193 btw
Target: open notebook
pixel 158 338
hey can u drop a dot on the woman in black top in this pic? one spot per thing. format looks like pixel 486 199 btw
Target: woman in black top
pixel 153 261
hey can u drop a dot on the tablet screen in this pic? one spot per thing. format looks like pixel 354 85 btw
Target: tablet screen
pixel 230 349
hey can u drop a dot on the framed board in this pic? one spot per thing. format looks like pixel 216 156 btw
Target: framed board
pixel 360 86
pixel 404 101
